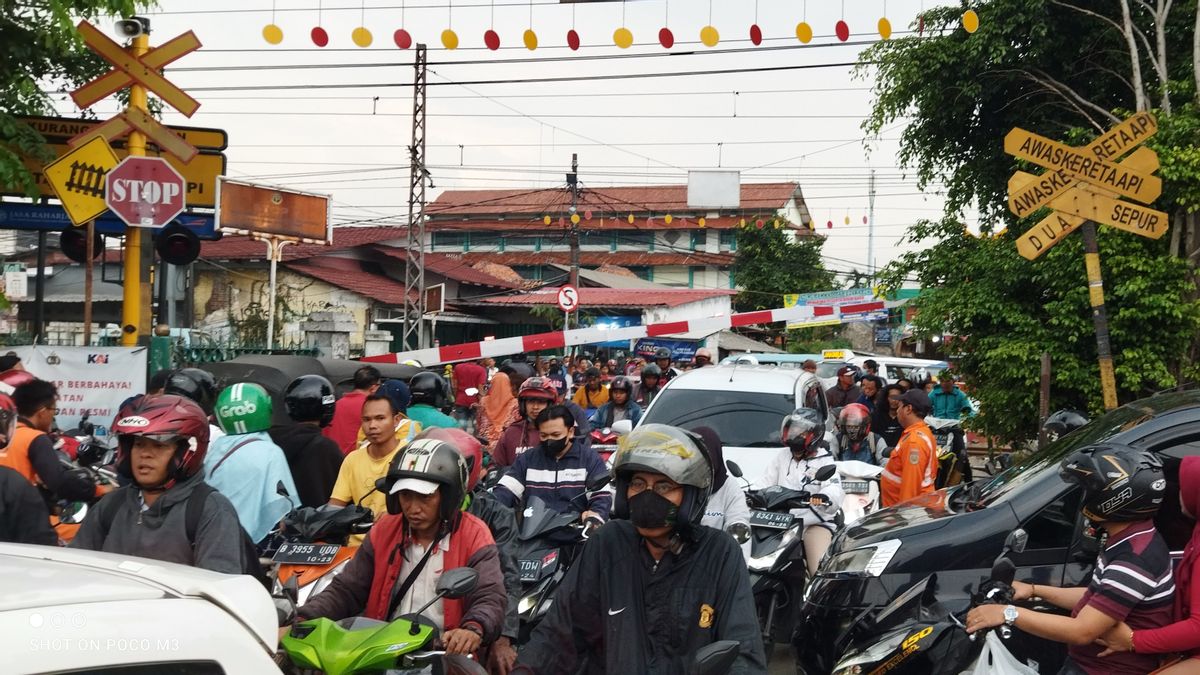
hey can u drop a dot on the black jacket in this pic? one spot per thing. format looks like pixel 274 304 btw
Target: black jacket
pixel 503 524
pixel 313 459
pixel 24 518
pixel 628 615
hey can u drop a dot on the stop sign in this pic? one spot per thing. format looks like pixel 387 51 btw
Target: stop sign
pixel 145 191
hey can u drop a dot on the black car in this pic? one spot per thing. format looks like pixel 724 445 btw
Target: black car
pixel 958 532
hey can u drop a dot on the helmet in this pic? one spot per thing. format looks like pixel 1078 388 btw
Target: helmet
pixel 517 371
pixel 8 419
pixel 675 453
pixel 167 418
pixel 11 379
pixel 428 388
pixel 704 352
pixel 309 398
pixel 651 370
pixel 1062 423
pixel 244 408
pixel 468 446
pixel 411 362
pixel 854 421
pixel 538 389
pixel 621 383
pixel 198 385
pixel 662 353
pixel 1121 484
pixel 803 431
pixel 423 462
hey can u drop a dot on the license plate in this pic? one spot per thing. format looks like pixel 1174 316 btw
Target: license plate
pixel 306 554
pixel 771 519
pixel 856 487
pixel 530 569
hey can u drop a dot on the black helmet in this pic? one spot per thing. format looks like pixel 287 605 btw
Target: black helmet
pixel 803 431
pixel 675 453
pixel 652 370
pixel 1121 484
pixel 428 388
pixel 621 383
pixel 662 353
pixel 198 385
pixel 1062 423
pixel 423 466
pixel 309 398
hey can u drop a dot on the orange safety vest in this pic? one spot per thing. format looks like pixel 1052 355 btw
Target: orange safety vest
pixel 912 468
pixel 16 455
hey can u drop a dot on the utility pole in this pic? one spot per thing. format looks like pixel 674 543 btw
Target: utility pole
pixel 573 186
pixel 1091 259
pixel 871 228
pixel 135 292
pixel 414 262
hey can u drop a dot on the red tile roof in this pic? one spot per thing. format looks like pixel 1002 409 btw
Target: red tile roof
pixel 613 297
pixel 602 222
pixel 597 258
pixel 350 275
pixel 451 267
pixel 640 199
pixel 240 247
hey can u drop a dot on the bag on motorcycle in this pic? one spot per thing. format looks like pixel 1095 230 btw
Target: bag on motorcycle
pixel 995 659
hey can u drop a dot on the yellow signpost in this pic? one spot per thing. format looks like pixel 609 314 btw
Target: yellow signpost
pixel 1079 164
pixel 77 179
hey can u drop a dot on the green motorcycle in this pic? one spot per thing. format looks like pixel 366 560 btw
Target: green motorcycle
pixel 360 645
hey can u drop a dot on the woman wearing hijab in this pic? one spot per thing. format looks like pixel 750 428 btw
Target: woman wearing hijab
pixel 727 501
pixel 497 409
pixel 1183 636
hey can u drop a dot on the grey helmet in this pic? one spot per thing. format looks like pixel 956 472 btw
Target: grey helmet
pixel 675 453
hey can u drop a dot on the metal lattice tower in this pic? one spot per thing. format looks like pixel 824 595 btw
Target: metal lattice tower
pixel 414 264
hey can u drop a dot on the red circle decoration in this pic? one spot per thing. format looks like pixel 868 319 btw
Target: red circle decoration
pixel 759 223
pixel 829 225
pixel 402 39
pixel 573 40
pixel 843 30
pixel 492 40
pixel 756 35
pixel 587 215
pixel 562 221
pixel 666 38
pixel 319 37
pixel 864 220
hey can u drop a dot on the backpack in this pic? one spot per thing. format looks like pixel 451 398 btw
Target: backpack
pixel 194 510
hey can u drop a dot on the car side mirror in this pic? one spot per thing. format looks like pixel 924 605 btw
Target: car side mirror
pixel 1016 541
pixel 458 582
pixel 622 427
pixel 734 469
pixel 826 472
pixel 716 658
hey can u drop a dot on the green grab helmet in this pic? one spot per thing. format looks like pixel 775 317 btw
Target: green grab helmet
pixel 243 408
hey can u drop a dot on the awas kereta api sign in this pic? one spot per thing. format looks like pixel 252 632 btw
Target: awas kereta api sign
pixel 92 380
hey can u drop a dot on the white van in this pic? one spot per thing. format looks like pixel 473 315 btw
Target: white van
pixel 892 368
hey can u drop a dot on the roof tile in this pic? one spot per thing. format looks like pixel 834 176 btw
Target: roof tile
pixel 613 297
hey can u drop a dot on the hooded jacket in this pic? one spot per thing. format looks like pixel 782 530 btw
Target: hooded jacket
pixel 247 469
pixel 160 531
pixel 556 481
pixel 313 459
pixel 625 613
pixel 24 518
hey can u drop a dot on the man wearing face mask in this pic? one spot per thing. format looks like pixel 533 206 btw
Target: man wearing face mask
pixel 654 586
pixel 556 471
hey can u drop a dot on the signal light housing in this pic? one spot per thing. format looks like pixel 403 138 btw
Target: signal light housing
pixel 177 244
pixel 73 242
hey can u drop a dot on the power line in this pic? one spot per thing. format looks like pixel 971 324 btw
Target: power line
pixel 612 94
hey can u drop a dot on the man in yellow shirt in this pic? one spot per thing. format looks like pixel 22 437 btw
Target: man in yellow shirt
pixel 368 463
pixel 593 393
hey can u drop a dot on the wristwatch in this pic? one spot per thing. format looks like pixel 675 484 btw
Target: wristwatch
pixel 1010 615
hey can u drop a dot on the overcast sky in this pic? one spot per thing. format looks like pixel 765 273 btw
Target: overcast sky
pixel 800 124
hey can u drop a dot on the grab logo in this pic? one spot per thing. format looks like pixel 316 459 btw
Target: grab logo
pixel 238 410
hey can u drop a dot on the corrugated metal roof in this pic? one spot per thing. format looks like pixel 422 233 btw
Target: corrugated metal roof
pixel 350 275
pixel 452 267
pixel 613 297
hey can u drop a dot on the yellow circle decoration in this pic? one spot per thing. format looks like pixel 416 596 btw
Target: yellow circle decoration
pixel 361 37
pixel 574 218
pixel 804 32
pixel 545 220
pixel 272 34
pixel 668 218
pixel 709 36
pixel 702 222
pixel 530 39
pixel 970 21
pixel 622 37
pixel 449 39
pixel 885 28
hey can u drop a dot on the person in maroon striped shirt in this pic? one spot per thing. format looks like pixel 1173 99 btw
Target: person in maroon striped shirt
pixel 1132 582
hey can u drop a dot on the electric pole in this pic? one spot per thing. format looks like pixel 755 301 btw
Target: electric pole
pixel 135 293
pixel 871 228
pixel 573 186
pixel 414 261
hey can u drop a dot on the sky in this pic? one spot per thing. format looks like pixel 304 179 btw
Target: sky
pixel 801 124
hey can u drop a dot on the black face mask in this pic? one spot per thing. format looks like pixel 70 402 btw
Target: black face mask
pixel 556 446
pixel 649 510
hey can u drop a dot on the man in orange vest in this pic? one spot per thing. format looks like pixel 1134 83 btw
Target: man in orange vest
pixel 31 451
pixel 912 467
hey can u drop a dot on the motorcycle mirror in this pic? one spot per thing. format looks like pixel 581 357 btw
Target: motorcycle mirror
pixel 457 583
pixel 1004 571
pixel 73 513
pixel 598 482
pixel 740 532
pixel 715 658
pixel 622 427
pixel 1016 541
pixel 826 472
pixel 291 588
pixel 734 469
pixel 281 489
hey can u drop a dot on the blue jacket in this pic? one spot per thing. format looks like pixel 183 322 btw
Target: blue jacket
pixel 950 406
pixel 536 473
pixel 603 414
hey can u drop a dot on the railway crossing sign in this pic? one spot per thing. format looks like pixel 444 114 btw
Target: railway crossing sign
pixel 78 179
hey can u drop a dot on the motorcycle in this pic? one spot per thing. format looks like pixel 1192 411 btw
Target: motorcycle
pixel 778 573
pixel 361 645
pixel 311 545
pixel 547 543
pixel 81 450
pixel 604 441
pixel 950 471
pixel 860 482
pixel 916 634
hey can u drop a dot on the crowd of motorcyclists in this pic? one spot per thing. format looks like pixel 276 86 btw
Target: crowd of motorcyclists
pixel 450 462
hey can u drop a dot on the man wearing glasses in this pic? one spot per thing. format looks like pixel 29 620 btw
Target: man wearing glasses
pixel 912 467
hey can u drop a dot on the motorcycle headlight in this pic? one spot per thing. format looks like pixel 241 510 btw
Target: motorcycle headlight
pixel 527 603
pixel 852 663
pixel 868 561
pixel 766 562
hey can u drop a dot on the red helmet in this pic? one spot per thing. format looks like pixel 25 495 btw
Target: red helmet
pixel 468 446
pixel 538 388
pixel 854 421
pixel 11 379
pixel 167 418
pixel 8 419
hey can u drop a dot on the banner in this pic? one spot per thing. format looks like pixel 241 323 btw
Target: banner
pixel 95 380
pixel 681 350
pixel 834 298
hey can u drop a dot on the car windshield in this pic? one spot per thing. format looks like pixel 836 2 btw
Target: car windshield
pixel 907 372
pixel 829 368
pixel 740 418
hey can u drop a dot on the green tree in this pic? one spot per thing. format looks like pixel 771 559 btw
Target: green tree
pixel 771 263
pixel 40 49
pixel 1030 66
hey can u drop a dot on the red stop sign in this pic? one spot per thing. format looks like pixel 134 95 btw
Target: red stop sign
pixel 145 191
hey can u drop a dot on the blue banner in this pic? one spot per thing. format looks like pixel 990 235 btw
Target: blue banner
pixel 35 217
pixel 681 350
